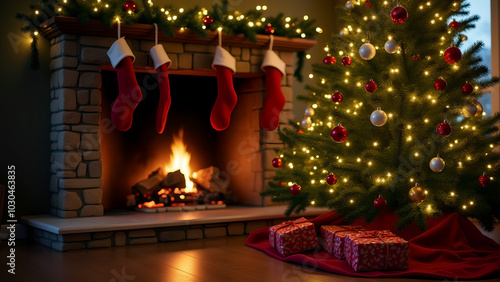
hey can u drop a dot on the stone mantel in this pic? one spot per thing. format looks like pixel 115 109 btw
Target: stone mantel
pixel 69 25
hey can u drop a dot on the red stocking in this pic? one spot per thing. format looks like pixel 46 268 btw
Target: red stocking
pixel 274 102
pixel 224 65
pixel 129 92
pixel 161 63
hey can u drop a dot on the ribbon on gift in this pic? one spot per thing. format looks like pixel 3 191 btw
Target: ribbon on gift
pixel 379 235
pixel 348 228
pixel 287 224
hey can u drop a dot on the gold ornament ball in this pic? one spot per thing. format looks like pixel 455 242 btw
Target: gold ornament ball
pixel 469 110
pixel 479 107
pixel 417 194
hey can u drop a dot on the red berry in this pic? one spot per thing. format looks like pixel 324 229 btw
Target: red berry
pixel 331 179
pixel 269 29
pixel 299 131
pixel 337 97
pixel 295 189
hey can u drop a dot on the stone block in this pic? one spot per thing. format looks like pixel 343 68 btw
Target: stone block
pixel 146 45
pixel 199 48
pixel 53 135
pixel 288 80
pixel 102 235
pixel 65 117
pixel 92 196
pixel 95 169
pixel 66 160
pixel 66 98
pixel 54 183
pixel 62 247
pixel 235 51
pixel 90 142
pixel 236 228
pixel 63 62
pixel 90 80
pixel 212 232
pixel 86 128
pixel 141 58
pixel 53 200
pixel 141 233
pixel 66 174
pixel 185 61
pixel 254 225
pixel 97 41
pixel 91 118
pixel 270 137
pixel 287 93
pixel 54 80
pixel 92 210
pixel 192 234
pixel 67 140
pixel 78 237
pixel 103 243
pixel 66 214
pixel 242 67
pixel 63 37
pixel 173 235
pixel 69 48
pixel 67 200
pixel 202 61
pixel 55 50
pixel 175 61
pixel 255 69
pixel 54 105
pixel 256 60
pixel 259 52
pixel 287 57
pixel 140 241
pixel 53 146
pixel 81 171
pixel 90 109
pixel 78 183
pixel 68 78
pixel 82 97
pixel 289 70
pixel 288 106
pixel 120 239
pixel 173 47
pixel 245 54
pixel 95 56
pixel 62 127
pixel 95 97
pixel 286 116
pixel 91 155
pixel 84 67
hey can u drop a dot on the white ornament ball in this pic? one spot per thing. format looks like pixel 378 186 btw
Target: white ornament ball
pixel 391 46
pixel 436 164
pixel 367 51
pixel 344 31
pixel 378 117
pixel 306 122
pixel 309 112
pixel 349 4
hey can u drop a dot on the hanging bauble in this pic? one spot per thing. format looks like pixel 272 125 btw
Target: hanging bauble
pixel 344 31
pixel 437 164
pixel 370 86
pixel 417 58
pixel 309 112
pixel 368 4
pixel 129 7
pixel 282 183
pixel 479 108
pixel 484 180
pixel 380 203
pixel 391 46
pixel 277 162
pixel 464 37
pixel 378 117
pixel 331 179
pixel 269 29
pixel 456 6
pixel 443 129
pixel 295 189
pixel 306 122
pixel 440 84
pixel 337 97
pixel 467 88
pixel 339 134
pixel 417 194
pixel 399 15
pixel 452 55
pixel 300 131
pixel 367 51
pixel 346 61
pixel 208 21
pixel 349 4
pixel 469 110
pixel 454 24
pixel 329 60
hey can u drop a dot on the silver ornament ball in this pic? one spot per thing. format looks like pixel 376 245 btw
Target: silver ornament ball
pixel 367 51
pixel 309 112
pixel 437 164
pixel 391 46
pixel 306 122
pixel 378 117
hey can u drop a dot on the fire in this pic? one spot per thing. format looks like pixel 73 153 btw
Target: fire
pixel 179 159
pixel 151 204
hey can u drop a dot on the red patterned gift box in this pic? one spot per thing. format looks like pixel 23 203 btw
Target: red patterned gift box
pixel 332 238
pixel 293 237
pixel 376 250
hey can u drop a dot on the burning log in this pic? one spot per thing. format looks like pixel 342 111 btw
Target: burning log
pixel 209 179
pixel 150 185
pixel 175 179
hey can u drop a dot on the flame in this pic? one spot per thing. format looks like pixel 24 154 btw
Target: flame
pixel 151 204
pixel 179 159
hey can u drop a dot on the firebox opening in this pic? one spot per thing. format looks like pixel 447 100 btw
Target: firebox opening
pixel 129 157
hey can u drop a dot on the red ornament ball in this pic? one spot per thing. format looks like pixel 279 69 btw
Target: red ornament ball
pixel 417 58
pixel 269 29
pixel 380 203
pixel 452 55
pixel 484 180
pixel 331 179
pixel 295 189
pixel 346 61
pixel 370 86
pixel 208 21
pixel 454 24
pixel 299 131
pixel 129 6
pixel 277 162
pixel 440 84
pixel 337 97
pixel 328 60
pixel 399 15
pixel 467 88
pixel 443 129
pixel 339 134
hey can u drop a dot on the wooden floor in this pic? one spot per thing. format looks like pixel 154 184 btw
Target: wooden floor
pixel 219 259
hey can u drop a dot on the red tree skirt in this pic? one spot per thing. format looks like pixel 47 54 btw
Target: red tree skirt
pixel 452 247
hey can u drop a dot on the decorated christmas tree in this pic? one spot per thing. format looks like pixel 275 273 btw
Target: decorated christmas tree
pixel 394 122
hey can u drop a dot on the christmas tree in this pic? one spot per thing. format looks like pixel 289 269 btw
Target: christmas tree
pixel 393 122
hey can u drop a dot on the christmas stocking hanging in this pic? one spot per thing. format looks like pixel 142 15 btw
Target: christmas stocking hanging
pixel 274 101
pixel 129 92
pixel 224 65
pixel 161 64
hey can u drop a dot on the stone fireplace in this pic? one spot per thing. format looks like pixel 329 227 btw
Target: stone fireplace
pixel 78 64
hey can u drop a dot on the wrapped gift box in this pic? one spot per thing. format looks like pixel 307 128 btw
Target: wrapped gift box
pixel 376 250
pixel 293 237
pixel 332 238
